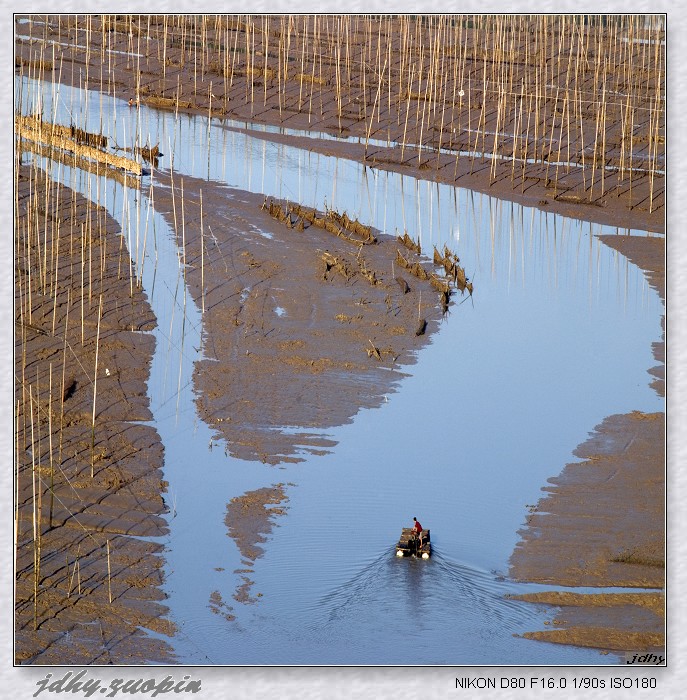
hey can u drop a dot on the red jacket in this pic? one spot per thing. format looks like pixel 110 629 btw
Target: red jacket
pixel 417 527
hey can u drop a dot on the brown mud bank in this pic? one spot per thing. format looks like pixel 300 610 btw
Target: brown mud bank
pixel 612 502
pixel 591 620
pixel 522 107
pixel 304 325
pixel 649 254
pixel 88 469
pixel 602 522
pixel 250 519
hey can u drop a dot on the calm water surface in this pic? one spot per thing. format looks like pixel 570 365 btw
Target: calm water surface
pixel 557 337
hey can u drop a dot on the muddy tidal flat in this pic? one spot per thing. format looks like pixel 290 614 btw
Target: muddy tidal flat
pixel 90 493
pixel 369 254
pixel 312 323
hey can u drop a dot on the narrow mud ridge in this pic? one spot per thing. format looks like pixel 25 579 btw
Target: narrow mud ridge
pixel 649 254
pixel 92 492
pixel 302 328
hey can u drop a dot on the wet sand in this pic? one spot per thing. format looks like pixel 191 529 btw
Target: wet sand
pixel 323 322
pixel 84 495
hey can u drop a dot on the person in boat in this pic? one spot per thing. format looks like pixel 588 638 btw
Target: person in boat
pixel 417 529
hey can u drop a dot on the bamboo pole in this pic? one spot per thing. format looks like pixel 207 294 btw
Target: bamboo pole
pixel 52 463
pixel 36 553
pixel 109 573
pixel 64 367
pixel 17 465
pixel 95 385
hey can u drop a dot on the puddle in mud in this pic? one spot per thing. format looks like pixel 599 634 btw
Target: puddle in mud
pixel 557 336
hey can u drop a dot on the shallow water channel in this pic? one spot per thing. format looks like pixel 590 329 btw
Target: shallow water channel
pixel 557 336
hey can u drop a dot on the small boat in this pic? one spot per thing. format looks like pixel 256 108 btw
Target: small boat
pixel 409 544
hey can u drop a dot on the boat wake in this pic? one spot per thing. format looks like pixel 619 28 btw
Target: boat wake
pixel 432 591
